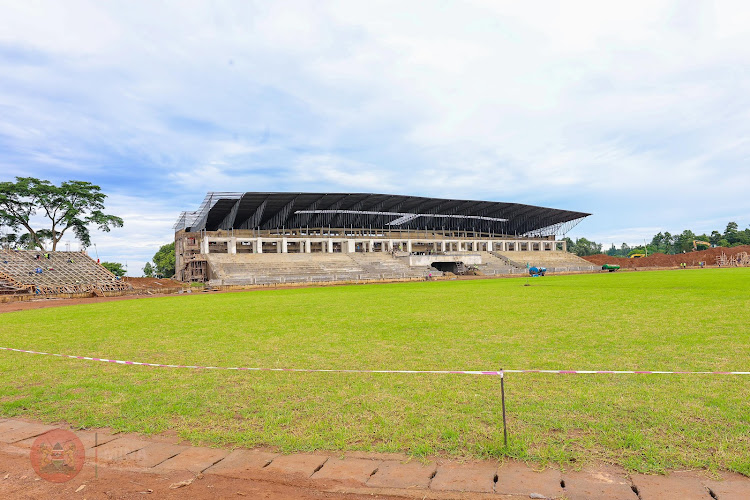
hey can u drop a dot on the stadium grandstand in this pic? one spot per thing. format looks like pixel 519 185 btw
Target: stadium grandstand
pixel 246 238
pixel 51 273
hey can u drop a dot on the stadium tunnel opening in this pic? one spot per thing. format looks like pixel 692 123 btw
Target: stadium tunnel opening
pixel 448 267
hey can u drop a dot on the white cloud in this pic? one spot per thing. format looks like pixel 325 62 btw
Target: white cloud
pixel 634 112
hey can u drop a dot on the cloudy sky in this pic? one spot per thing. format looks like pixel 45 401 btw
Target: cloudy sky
pixel 638 112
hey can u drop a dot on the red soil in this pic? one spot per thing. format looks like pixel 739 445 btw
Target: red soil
pixel 692 259
pixel 152 283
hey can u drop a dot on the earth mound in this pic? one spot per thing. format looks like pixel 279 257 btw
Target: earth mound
pixel 691 259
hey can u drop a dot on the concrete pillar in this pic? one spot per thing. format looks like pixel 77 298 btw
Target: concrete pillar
pixel 232 245
pixel 283 248
pixel 204 245
pixel 408 246
pixel 442 246
pixel 489 246
pixel 329 245
pixel 350 246
pixel 307 246
pixel 258 246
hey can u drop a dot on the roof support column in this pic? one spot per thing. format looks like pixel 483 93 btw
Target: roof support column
pixel 258 246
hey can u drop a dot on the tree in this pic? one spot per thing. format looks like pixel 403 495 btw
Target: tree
pixel 657 240
pixel 569 244
pixel 583 247
pixel 164 261
pixel 731 233
pixel 114 268
pixel 714 238
pixel 72 205
pixel 684 241
pixel 666 246
pixel 148 270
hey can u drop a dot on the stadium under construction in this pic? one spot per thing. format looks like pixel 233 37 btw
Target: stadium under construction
pixel 237 238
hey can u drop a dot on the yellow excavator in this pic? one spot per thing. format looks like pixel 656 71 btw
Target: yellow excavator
pixel 704 245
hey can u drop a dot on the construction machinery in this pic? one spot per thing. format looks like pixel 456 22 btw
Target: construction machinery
pixel 703 244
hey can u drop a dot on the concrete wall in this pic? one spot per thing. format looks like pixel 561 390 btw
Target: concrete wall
pixel 427 260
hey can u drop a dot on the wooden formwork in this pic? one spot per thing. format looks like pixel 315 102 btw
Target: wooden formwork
pixel 10 285
pixel 741 259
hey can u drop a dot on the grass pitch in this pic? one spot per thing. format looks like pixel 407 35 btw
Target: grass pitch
pixel 669 320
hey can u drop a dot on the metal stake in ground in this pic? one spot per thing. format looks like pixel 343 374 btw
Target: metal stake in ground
pixel 502 395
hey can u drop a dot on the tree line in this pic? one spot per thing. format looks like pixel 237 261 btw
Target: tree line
pixel 667 243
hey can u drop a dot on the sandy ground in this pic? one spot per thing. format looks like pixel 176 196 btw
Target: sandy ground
pixel 23 483
pixel 42 303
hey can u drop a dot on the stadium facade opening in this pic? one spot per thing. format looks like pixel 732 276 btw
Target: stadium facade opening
pixel 252 238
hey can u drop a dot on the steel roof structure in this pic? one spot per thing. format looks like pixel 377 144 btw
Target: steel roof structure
pixel 269 211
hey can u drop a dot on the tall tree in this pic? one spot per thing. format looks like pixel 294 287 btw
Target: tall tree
pixel 730 233
pixel 148 270
pixel 115 268
pixel 164 261
pixel 73 205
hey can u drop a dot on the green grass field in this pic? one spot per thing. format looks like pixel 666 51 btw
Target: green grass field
pixel 668 320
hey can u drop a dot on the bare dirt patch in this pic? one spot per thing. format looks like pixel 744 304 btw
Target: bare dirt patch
pixel 691 259
pixel 22 483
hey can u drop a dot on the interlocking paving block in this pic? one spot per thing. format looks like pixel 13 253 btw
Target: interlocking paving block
pixel 676 485
pixel 86 437
pixel 600 484
pixel 355 470
pixel 118 448
pixel 731 487
pixel 152 455
pixel 515 478
pixel 477 477
pixel 299 463
pixel 8 425
pixel 393 474
pixel 90 438
pixel 242 463
pixel 195 459
pixel 24 431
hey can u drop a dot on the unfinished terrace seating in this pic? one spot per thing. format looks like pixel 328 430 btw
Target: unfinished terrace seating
pixel 554 261
pixel 30 271
pixel 244 269
pixel 383 264
pixel 493 265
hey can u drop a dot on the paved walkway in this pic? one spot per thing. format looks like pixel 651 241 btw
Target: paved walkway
pixel 381 474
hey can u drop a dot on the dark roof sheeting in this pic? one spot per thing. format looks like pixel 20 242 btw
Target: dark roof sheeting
pixel 362 210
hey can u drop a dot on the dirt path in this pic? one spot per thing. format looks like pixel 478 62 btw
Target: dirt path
pixel 23 483
pixel 44 303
